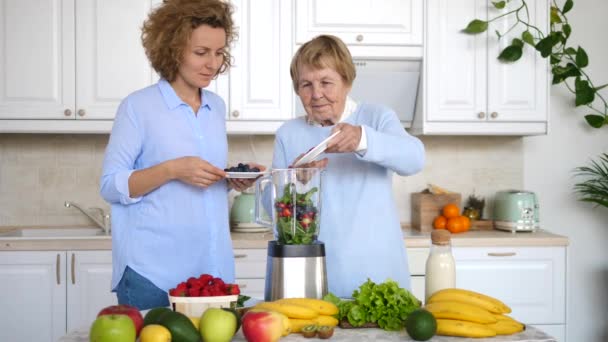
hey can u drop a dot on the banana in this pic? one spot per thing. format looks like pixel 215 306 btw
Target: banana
pixel 289 310
pixel 326 320
pixel 460 311
pixel 501 317
pixel 450 327
pixel 506 327
pixel 321 306
pixel 470 297
pixel 296 325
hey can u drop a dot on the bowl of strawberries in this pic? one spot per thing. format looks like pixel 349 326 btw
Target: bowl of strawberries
pixel 195 295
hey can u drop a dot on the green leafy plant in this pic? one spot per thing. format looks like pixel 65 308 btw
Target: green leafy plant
pixel 566 61
pixel 386 304
pixel 594 188
pixel 298 221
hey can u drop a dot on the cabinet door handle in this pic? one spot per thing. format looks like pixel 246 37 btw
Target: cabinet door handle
pixel 67 112
pixel 235 113
pixel 242 286
pixel 359 38
pixel 58 269
pixel 240 256
pixel 494 115
pixel 506 254
pixel 73 270
pixel 81 112
pixel 481 115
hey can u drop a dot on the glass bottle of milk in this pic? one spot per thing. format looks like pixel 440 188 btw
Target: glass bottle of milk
pixel 440 266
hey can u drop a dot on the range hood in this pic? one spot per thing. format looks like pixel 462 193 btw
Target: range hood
pixel 390 82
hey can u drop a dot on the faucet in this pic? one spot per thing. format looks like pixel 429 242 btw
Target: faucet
pixel 104 223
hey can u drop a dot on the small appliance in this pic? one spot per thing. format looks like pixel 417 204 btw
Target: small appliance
pixel 516 211
pixel 242 214
pixel 295 264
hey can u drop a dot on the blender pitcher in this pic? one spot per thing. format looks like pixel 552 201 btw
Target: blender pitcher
pixel 295 265
pixel 292 197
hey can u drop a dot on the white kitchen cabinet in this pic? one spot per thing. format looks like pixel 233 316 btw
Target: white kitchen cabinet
pixel 47 293
pixel 531 280
pixel 260 86
pixel 77 62
pixel 89 286
pixel 466 89
pixel 33 296
pixel 250 269
pixel 385 28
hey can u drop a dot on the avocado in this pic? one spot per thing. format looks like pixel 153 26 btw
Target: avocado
pixel 153 315
pixel 180 326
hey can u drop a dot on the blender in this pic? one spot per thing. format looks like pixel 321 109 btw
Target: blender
pixel 295 265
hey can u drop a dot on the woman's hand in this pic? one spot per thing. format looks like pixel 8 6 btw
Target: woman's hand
pixel 240 184
pixel 195 171
pixel 347 141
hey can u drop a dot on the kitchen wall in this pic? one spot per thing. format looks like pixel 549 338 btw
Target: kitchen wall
pixel 39 172
pixel 548 164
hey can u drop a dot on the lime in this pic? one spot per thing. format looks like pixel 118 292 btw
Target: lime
pixel 421 325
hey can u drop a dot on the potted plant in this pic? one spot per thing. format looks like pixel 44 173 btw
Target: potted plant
pixel 594 188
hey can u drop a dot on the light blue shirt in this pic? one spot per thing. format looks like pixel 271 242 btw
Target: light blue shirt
pixel 177 230
pixel 359 220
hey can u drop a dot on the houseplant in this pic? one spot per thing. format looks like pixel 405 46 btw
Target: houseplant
pixel 567 63
pixel 567 68
pixel 594 188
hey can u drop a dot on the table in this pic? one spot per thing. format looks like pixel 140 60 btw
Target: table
pixel 531 334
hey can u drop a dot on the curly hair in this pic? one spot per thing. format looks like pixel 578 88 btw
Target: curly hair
pixel 166 32
pixel 324 51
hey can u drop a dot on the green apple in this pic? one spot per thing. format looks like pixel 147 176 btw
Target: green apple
pixel 217 325
pixel 112 328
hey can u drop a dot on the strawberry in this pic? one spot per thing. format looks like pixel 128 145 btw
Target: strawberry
pixel 234 289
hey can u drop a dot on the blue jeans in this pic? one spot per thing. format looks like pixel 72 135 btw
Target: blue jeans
pixel 135 290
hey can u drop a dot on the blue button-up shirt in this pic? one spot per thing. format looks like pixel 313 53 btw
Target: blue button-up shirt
pixel 177 230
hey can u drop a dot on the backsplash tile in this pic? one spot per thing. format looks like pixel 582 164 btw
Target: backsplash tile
pixel 38 172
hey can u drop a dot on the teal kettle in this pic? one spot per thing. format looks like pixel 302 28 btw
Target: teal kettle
pixel 242 214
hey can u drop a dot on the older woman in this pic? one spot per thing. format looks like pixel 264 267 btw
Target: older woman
pixel 359 223
pixel 163 168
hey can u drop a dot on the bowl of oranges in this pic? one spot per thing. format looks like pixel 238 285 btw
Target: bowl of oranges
pixel 451 220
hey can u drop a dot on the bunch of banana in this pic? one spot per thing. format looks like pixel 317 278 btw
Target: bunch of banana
pixel 470 314
pixel 303 311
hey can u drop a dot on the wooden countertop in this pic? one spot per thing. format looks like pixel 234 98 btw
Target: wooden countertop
pixel 412 238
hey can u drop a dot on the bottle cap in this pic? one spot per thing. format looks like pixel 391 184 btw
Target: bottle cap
pixel 440 237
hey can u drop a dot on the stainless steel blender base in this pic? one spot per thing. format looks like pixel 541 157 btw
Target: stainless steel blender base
pixel 290 275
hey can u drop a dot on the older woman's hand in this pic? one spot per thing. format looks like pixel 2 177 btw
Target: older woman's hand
pixel 347 141
pixel 320 164
pixel 240 184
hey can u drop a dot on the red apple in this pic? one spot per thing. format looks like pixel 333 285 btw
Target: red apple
pixel 112 328
pixel 262 326
pixel 123 309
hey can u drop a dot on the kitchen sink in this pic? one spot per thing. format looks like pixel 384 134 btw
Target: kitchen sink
pixel 54 233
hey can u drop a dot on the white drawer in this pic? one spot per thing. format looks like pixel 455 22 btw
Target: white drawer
pixel 417 284
pixel 531 280
pixel 416 258
pixel 253 288
pixel 250 263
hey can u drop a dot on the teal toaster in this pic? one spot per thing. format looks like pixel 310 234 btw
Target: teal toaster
pixel 516 211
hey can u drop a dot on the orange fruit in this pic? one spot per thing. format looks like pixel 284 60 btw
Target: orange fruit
pixel 454 225
pixel 466 223
pixel 450 210
pixel 440 222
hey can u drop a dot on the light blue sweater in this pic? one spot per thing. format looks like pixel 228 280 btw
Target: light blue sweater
pixel 359 221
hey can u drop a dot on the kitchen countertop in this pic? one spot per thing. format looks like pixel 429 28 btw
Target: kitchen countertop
pixel 412 238
pixel 531 334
